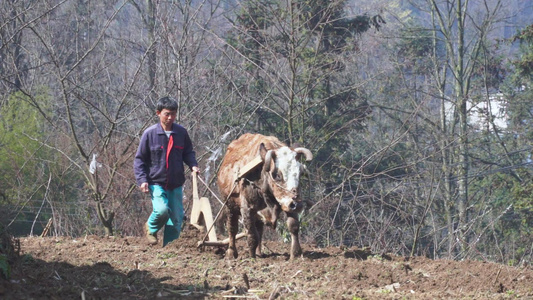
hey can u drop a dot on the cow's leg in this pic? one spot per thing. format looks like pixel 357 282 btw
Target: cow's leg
pixel 233 227
pixel 294 227
pixel 260 226
pixel 250 218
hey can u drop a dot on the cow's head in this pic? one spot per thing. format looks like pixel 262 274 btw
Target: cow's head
pixel 282 170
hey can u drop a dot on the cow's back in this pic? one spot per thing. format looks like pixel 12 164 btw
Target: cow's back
pixel 240 152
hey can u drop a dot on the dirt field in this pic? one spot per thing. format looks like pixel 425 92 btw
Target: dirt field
pixel 127 268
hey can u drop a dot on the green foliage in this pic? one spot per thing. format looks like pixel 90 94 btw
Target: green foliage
pixel 19 121
pixel 523 202
pixel 524 65
pixel 519 93
pixel 415 48
pixel 21 129
pixel 321 32
pixel 7 252
pixel 511 214
pixel 415 42
pixel 166 255
pixel 519 88
pixel 5 268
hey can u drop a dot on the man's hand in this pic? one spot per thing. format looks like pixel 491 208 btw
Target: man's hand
pixel 196 169
pixel 144 187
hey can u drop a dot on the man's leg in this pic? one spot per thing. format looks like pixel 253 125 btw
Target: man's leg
pixel 176 212
pixel 160 210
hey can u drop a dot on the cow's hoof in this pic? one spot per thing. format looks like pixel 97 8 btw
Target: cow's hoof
pixel 231 254
pixel 295 254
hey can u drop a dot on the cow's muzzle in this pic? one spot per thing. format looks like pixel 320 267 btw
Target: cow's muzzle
pixel 291 205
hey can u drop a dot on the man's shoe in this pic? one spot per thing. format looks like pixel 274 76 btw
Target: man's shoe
pixel 150 237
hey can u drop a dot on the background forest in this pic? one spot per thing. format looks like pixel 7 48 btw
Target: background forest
pixel 419 113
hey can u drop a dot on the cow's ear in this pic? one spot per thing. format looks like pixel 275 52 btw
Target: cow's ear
pixel 262 151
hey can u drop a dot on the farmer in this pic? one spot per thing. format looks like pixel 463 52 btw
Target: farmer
pixel 158 167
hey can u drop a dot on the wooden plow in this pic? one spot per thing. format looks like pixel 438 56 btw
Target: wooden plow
pixel 201 213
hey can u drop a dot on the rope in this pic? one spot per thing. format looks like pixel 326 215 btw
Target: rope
pixel 209 189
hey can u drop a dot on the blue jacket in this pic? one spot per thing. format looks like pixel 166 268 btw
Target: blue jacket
pixel 150 163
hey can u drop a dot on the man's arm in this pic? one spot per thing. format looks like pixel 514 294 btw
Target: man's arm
pixel 189 156
pixel 139 164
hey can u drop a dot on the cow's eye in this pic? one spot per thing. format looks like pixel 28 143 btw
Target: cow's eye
pixel 277 176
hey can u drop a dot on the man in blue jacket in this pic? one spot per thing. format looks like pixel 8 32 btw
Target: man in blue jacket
pixel 159 169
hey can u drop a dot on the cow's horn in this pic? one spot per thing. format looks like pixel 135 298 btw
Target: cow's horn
pixel 268 159
pixel 306 152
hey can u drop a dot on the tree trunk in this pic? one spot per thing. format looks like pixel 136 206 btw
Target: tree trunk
pixel 460 87
pixel 106 217
pixel 152 51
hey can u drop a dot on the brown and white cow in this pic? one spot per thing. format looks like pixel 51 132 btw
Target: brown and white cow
pixel 263 192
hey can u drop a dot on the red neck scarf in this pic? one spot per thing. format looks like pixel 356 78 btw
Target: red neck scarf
pixel 169 147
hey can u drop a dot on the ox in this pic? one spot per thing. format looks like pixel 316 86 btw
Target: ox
pixel 264 191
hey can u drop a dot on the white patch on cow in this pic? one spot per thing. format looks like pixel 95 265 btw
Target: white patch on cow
pixel 263 219
pixel 285 203
pixel 288 165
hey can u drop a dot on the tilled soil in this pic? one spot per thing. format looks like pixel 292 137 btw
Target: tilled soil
pixel 95 267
